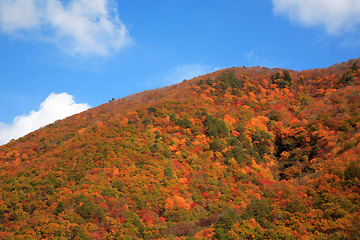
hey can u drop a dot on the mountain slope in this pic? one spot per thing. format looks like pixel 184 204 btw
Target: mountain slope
pixel 242 152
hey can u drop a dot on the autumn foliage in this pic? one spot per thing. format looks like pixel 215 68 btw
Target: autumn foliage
pixel 242 153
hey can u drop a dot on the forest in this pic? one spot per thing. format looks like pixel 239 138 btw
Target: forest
pixel 241 153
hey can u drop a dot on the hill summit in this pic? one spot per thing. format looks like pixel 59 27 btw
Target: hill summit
pixel 241 153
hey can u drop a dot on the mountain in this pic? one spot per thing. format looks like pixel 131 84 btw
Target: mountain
pixel 241 153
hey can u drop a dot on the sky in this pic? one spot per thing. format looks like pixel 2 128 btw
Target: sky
pixel 58 58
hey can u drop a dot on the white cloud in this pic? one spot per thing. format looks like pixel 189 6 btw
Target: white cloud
pixel 54 107
pixel 336 16
pixel 251 56
pixel 186 71
pixel 21 14
pixel 81 27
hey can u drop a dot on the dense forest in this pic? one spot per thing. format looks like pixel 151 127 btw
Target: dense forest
pixel 241 153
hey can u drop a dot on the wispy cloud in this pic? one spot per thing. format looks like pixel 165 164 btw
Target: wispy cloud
pixel 336 16
pixel 186 72
pixel 80 27
pixel 250 56
pixel 54 107
pixel 255 57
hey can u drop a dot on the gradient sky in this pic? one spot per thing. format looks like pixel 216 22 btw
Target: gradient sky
pixel 61 57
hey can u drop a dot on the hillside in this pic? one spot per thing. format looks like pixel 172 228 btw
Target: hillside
pixel 242 153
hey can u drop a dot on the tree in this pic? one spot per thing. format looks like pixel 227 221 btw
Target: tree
pixel 354 67
pixel 152 109
pixel 60 208
pixel 87 209
pixel 282 79
pixel 352 173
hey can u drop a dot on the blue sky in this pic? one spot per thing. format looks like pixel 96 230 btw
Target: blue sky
pixel 61 57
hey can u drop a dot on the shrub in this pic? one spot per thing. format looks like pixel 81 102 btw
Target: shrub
pixel 60 208
pixel 218 129
pixel 352 173
pixel 87 209
pixel 216 145
pixel 283 80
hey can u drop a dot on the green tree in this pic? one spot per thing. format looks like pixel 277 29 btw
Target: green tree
pixel 218 129
pixel 352 173
pixel 87 209
pixel 260 210
pixel 60 208
pixel 152 110
pixel 354 67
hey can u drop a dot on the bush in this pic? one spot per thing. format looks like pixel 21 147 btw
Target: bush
pixel 218 129
pixel 352 173
pixel 152 110
pixel 229 79
pixel 260 210
pixel 183 122
pixel 225 223
pixel 154 148
pixel 216 145
pixel 168 172
pixel 209 82
pixel 283 80
pixel 146 121
pixel 354 67
pixel 346 78
pixel 236 151
pixel 87 209
pixel 60 208
pixel 262 140
pixel 157 135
